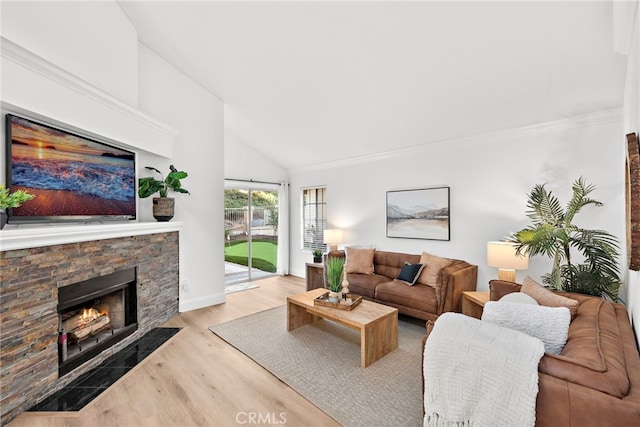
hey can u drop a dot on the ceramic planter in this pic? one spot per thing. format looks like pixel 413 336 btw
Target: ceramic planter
pixel 163 208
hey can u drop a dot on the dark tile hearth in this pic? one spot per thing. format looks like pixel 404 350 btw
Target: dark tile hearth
pixel 80 392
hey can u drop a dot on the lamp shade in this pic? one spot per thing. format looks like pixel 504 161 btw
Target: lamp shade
pixel 503 255
pixel 332 236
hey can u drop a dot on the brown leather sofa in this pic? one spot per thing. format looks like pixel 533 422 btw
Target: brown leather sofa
pixel 595 381
pixel 419 301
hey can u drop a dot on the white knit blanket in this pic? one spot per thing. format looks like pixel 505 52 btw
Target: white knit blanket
pixel 479 374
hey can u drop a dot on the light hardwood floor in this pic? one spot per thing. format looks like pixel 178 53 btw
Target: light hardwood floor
pixel 197 379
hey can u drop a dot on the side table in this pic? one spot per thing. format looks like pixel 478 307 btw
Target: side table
pixel 473 303
pixel 315 275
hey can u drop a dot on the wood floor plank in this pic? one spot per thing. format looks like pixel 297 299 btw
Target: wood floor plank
pixel 197 379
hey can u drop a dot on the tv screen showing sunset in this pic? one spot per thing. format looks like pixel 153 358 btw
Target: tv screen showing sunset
pixel 70 175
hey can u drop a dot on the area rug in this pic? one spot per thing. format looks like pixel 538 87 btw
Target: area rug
pixel 322 362
pixel 239 287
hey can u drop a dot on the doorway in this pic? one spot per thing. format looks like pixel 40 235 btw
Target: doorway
pixel 251 218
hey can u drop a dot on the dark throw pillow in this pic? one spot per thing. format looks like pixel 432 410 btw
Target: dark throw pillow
pixel 410 273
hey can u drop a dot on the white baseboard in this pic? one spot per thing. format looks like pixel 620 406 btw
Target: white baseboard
pixel 196 303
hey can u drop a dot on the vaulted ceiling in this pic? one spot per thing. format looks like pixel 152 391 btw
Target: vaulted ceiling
pixel 314 82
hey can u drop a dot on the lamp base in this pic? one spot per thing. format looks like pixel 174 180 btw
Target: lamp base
pixel 507 275
pixel 333 248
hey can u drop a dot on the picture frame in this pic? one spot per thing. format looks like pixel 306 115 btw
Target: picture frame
pixel 419 214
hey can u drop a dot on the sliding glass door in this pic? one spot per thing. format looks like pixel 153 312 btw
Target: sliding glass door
pixel 251 232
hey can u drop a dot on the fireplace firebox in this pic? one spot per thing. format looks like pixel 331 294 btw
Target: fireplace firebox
pixel 94 315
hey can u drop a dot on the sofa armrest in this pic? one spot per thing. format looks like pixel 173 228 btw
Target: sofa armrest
pixel 457 278
pixel 500 288
pixel 334 254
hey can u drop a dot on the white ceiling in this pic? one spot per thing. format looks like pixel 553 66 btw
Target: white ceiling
pixel 313 82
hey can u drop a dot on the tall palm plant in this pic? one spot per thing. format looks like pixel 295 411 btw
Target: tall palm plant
pixel 553 234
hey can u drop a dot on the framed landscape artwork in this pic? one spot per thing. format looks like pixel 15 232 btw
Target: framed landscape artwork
pixel 419 214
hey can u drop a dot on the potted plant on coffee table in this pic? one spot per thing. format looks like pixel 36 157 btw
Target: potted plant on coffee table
pixel 11 200
pixel 163 206
pixel 334 268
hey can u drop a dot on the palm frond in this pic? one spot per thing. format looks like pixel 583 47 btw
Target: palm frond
pixel 543 206
pixel 539 240
pixel 583 279
pixel 553 234
pixel 579 199
pixel 600 250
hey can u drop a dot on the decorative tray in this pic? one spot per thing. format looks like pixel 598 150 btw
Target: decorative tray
pixel 349 303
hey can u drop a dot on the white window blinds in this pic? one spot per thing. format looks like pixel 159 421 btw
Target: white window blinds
pixel 314 217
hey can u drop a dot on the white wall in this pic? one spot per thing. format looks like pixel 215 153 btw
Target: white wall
pixel 93 40
pixel 489 177
pixel 627 32
pixel 243 162
pixel 102 50
pixel 172 97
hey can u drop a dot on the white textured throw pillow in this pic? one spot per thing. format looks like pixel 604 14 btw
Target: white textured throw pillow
pixel 519 297
pixel 549 324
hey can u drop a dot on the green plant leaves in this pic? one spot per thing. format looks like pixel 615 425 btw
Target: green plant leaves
pixel 553 234
pixel 13 200
pixel 334 268
pixel 148 186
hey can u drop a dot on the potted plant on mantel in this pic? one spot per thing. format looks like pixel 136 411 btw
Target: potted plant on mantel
pixel 163 206
pixel 334 269
pixel 11 200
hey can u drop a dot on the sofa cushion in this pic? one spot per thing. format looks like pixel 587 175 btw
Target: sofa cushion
pixel 545 297
pixel 418 297
pixel 548 324
pixel 410 273
pixel 433 265
pixel 518 297
pixel 359 260
pixel 390 264
pixel 593 356
pixel 365 284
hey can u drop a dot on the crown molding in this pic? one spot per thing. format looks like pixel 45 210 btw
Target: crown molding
pixel 30 82
pixel 591 119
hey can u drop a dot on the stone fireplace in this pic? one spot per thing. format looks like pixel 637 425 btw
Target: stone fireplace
pixel 137 272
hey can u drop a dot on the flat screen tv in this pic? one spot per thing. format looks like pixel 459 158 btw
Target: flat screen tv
pixel 73 177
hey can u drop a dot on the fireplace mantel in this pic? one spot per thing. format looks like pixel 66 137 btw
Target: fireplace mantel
pixel 31 236
pixel 52 257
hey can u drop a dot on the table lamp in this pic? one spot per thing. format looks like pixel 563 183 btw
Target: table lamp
pixel 332 237
pixel 503 256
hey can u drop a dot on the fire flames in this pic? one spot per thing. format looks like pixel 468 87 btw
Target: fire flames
pixel 86 323
pixel 89 315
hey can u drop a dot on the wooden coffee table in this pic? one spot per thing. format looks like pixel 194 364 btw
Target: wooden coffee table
pixel 377 323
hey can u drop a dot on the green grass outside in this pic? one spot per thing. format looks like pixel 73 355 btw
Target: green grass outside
pixel 264 254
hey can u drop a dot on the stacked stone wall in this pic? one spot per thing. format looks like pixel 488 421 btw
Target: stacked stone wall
pixel 29 283
pixel 634 201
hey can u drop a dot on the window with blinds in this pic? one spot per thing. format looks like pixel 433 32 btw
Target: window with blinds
pixel 314 218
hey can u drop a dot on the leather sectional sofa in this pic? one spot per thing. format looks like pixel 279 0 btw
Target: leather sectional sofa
pixel 595 381
pixel 420 300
